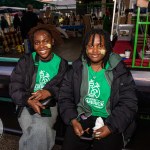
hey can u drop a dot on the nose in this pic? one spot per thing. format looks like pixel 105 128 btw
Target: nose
pixel 42 45
pixel 95 49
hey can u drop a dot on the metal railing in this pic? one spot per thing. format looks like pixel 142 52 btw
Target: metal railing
pixel 144 52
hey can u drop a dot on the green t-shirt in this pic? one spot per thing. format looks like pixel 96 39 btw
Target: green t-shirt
pixel 46 71
pixel 98 92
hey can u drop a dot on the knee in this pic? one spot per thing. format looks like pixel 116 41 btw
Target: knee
pixel 41 129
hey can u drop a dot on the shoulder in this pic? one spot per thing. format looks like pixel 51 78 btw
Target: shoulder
pixel 24 64
pixel 55 56
pixel 34 14
pixel 26 58
pixel 60 59
pixel 121 71
pixel 121 67
pixel 75 67
pixel 75 70
pixel 77 63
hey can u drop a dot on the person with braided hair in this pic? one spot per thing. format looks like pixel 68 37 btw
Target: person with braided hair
pixel 97 99
pixel 37 77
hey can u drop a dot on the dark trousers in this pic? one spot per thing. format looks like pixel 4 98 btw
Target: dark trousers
pixel 73 142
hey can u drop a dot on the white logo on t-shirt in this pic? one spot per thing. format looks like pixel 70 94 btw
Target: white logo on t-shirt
pixel 44 77
pixel 94 94
pixel 94 89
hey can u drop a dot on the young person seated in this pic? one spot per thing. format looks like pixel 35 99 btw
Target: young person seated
pixel 97 99
pixel 37 77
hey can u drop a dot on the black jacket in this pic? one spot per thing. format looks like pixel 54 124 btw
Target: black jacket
pixel 21 79
pixel 123 101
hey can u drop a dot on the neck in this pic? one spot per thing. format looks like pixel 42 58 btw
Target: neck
pixel 47 59
pixel 96 66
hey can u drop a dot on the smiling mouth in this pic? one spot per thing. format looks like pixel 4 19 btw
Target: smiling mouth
pixel 43 51
pixel 95 56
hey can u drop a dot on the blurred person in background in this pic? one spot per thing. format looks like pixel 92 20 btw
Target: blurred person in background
pixel 72 19
pixel 143 3
pixel 28 20
pixel 56 22
pixel 4 24
pixel 16 22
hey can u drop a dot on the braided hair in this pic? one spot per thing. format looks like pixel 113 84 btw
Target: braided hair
pixel 50 29
pixel 107 44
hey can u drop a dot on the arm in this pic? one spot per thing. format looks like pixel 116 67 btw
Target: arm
pixel 50 89
pixel 19 88
pixel 124 103
pixel 53 86
pixel 66 102
pixel 19 83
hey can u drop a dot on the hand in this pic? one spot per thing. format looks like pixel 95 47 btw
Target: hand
pixel 35 105
pixel 77 127
pixel 40 95
pixel 101 132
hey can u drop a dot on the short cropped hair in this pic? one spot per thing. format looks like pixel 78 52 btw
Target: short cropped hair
pixel 29 7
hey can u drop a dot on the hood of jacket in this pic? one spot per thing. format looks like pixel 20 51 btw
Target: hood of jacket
pixel 113 61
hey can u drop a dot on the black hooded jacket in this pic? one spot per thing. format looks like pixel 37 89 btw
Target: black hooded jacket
pixel 21 80
pixel 122 102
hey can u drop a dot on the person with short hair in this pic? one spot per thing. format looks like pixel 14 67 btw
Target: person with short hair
pixel 28 21
pixel 97 99
pixel 37 77
pixel 143 3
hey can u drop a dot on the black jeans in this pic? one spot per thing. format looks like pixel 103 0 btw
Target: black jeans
pixel 73 142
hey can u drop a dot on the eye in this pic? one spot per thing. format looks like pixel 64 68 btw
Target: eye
pixel 99 46
pixel 90 46
pixel 36 43
pixel 46 41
